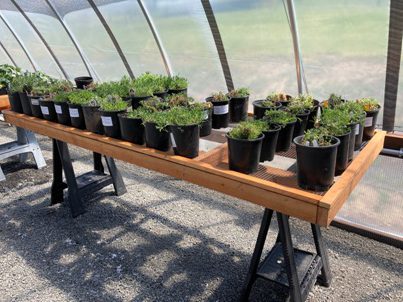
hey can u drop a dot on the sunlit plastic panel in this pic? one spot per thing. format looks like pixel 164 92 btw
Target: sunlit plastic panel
pixel 131 30
pixel 186 35
pixel 258 44
pixel 344 46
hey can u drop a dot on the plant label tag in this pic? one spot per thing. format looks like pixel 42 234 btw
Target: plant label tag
pixel 172 140
pixel 35 102
pixel 205 115
pixel 74 112
pixel 58 109
pixel 368 121
pixel 45 110
pixel 357 129
pixel 107 121
pixel 223 109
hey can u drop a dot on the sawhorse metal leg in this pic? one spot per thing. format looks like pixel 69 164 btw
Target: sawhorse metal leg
pixel 326 276
pixel 117 179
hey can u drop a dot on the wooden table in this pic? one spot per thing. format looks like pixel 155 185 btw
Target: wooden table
pixel 274 188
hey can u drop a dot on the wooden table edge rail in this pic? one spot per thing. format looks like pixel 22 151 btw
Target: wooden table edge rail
pixel 290 201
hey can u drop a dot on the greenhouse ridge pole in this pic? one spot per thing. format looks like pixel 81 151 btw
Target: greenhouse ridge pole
pixel 70 34
pixel 41 38
pixel 218 43
pixel 295 40
pixel 157 38
pixel 19 41
pixel 8 54
pixel 112 37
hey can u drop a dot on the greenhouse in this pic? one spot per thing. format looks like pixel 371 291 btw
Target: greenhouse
pixel 212 150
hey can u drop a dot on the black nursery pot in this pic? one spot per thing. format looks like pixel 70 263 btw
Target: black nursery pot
pixel 178 91
pixel 316 165
pixel 207 124
pixel 358 133
pixel 312 115
pixel 131 129
pixel 81 82
pixel 135 100
pixel 185 140
pixel 161 95
pixel 300 125
pixel 25 103
pixel 286 102
pixel 62 113
pixel 351 141
pixel 92 118
pixel 220 113
pixel 259 110
pixel 269 143
pixel 244 155
pixel 155 138
pixel 76 116
pixel 35 107
pixel 15 102
pixel 110 121
pixel 370 122
pixel 342 153
pixel 238 109
pixel 48 110
pixel 285 137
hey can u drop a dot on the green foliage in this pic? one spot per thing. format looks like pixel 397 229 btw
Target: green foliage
pixel 268 103
pixel 176 83
pixel 300 103
pixel 277 97
pixel 334 100
pixel 354 110
pixel 154 104
pixel 80 97
pixel 219 97
pixel 137 113
pixel 239 93
pixel 159 118
pixel 317 137
pixel 248 130
pixel 279 117
pixel 182 116
pixel 7 74
pixel 336 121
pixel 61 86
pixel 147 84
pixel 179 100
pixel 121 88
pixel 113 103
pixel 201 105
pixel 61 97
pixel 369 104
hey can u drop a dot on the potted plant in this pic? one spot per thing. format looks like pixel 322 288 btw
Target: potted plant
pixel 92 115
pixel 156 129
pixel 131 125
pixel 301 107
pixel 7 74
pixel 184 125
pixel 110 108
pixel 244 147
pixel 207 123
pixel 38 93
pixel 286 120
pixel 333 101
pixel 269 142
pixel 16 88
pixel 76 99
pixel 271 102
pixel 220 117
pixel 159 87
pixel 316 159
pixel 23 85
pixel 371 107
pixel 47 102
pixel 177 84
pixel 83 82
pixel 336 122
pixel 238 104
pixel 62 108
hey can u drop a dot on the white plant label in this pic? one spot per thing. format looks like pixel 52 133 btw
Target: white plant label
pixel 172 140
pixel 35 102
pixel 107 121
pixel 223 109
pixel 45 110
pixel 357 129
pixel 368 121
pixel 74 112
pixel 58 109
pixel 205 115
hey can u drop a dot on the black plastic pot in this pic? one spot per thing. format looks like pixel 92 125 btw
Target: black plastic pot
pixel 259 110
pixel 287 102
pixel 81 82
pixel 269 143
pixel 25 103
pixel 3 91
pixel 359 132
pixel 48 110
pixel 220 113
pixel 110 121
pixel 76 116
pixel 155 138
pixel 131 129
pixel 161 95
pixel 244 155
pixel 185 140
pixel 300 125
pixel 316 165
pixel 135 100
pixel 238 109
pixel 35 107
pixel 15 102
pixel 342 153
pixel 62 113
pixel 370 123
pixel 207 124
pixel 177 91
pixel 92 118
pixel 351 142
pixel 312 115
pixel 285 137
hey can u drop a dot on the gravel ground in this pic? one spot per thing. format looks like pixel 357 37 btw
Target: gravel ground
pixel 164 240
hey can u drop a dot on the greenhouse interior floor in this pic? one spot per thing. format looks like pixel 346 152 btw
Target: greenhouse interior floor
pixel 164 240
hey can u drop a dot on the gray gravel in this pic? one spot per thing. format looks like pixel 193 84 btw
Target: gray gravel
pixel 165 240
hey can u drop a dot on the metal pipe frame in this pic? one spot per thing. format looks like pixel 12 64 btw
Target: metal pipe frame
pixel 112 37
pixel 71 36
pixel 40 37
pixel 218 43
pixel 157 38
pixel 8 54
pixel 19 41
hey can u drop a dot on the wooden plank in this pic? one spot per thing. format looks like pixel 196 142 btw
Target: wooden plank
pixel 4 102
pixel 394 141
pixel 334 199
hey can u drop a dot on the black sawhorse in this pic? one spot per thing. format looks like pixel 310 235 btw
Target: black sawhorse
pixel 294 269
pixel 83 185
